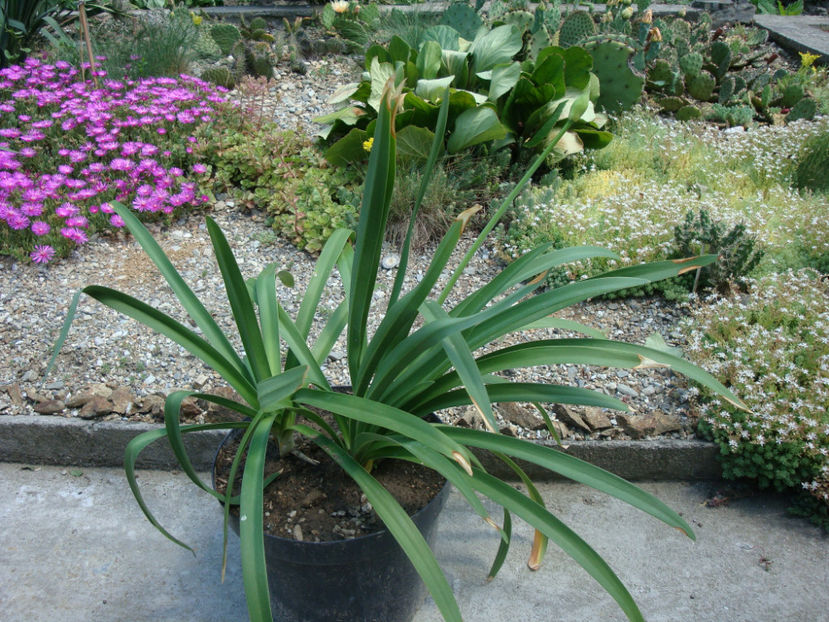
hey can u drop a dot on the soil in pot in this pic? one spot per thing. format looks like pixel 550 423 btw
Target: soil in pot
pixel 319 502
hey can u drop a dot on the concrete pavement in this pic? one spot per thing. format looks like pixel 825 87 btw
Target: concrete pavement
pixel 75 547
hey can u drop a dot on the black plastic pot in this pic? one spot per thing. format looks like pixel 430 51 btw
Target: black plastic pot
pixel 366 579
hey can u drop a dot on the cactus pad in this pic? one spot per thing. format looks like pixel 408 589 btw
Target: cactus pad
pixel 463 19
pixel 691 64
pixel 258 23
pixel 576 27
pixel 620 86
pixel 688 113
pixel 701 86
pixel 225 36
pixel 671 104
pixel 661 75
pixel 720 55
pixel 727 89
pixel 219 76
pixel 806 108
pixel 791 95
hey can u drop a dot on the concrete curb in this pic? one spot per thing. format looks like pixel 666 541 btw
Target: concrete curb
pixel 73 442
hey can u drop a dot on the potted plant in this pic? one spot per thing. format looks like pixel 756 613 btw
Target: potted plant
pixel 399 375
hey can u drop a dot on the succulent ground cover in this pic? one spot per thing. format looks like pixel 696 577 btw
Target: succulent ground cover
pixel 772 346
pixel 631 195
pixel 69 147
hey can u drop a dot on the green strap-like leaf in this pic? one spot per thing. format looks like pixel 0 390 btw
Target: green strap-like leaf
pixel 251 529
pixel 426 177
pixel 191 304
pixel 402 528
pixel 459 354
pixel 400 317
pixel 240 303
pixel 371 229
pixel 571 468
pixel 273 392
pixel 139 443
pixel 529 266
pixel 190 341
pixel 442 397
pixel 603 352
pixel 562 535
pixel 300 350
pixel 64 331
pixel 384 416
pixel 322 271
pixel 269 316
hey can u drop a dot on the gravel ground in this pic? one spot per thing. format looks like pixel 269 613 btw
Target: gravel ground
pixel 112 368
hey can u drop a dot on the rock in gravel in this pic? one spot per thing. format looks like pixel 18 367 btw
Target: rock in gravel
pixel 390 261
pixel 570 417
pixel 14 393
pixel 521 416
pixel 49 407
pixel 152 404
pixel 596 419
pixel 98 406
pixel 639 426
pixel 123 401
pixel 87 394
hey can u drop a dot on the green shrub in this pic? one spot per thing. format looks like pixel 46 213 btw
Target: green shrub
pixel 279 172
pixel 811 170
pixel 773 348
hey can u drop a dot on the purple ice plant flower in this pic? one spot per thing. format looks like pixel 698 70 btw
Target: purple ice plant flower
pixel 40 228
pixel 42 253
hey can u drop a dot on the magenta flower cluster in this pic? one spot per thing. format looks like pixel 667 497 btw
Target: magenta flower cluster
pixel 69 148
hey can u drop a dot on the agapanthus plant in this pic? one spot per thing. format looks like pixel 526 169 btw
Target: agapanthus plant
pixel 399 375
pixel 69 149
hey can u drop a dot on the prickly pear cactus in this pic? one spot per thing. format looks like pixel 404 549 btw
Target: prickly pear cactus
pixel 691 64
pixel 791 95
pixel 576 27
pixel 701 86
pixel 720 55
pixel 620 87
pixel 225 36
pixel 523 20
pixel 688 113
pixel 660 75
pixel 733 115
pixel 806 108
pixel 547 16
pixel 462 18
pixel 728 88
pixel 219 76
pixel 671 103
pixel 258 23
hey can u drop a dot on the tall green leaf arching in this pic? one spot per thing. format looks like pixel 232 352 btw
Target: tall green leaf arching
pixel 372 226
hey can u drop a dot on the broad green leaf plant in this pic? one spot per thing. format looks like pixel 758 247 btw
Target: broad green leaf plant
pixel 494 99
pixel 400 374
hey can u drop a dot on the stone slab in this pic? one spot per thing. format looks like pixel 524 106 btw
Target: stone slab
pixel 802 33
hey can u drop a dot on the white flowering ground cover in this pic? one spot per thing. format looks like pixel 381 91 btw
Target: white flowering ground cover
pixel 771 346
pixel 630 195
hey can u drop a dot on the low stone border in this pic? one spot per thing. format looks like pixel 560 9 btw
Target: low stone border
pixel 70 442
